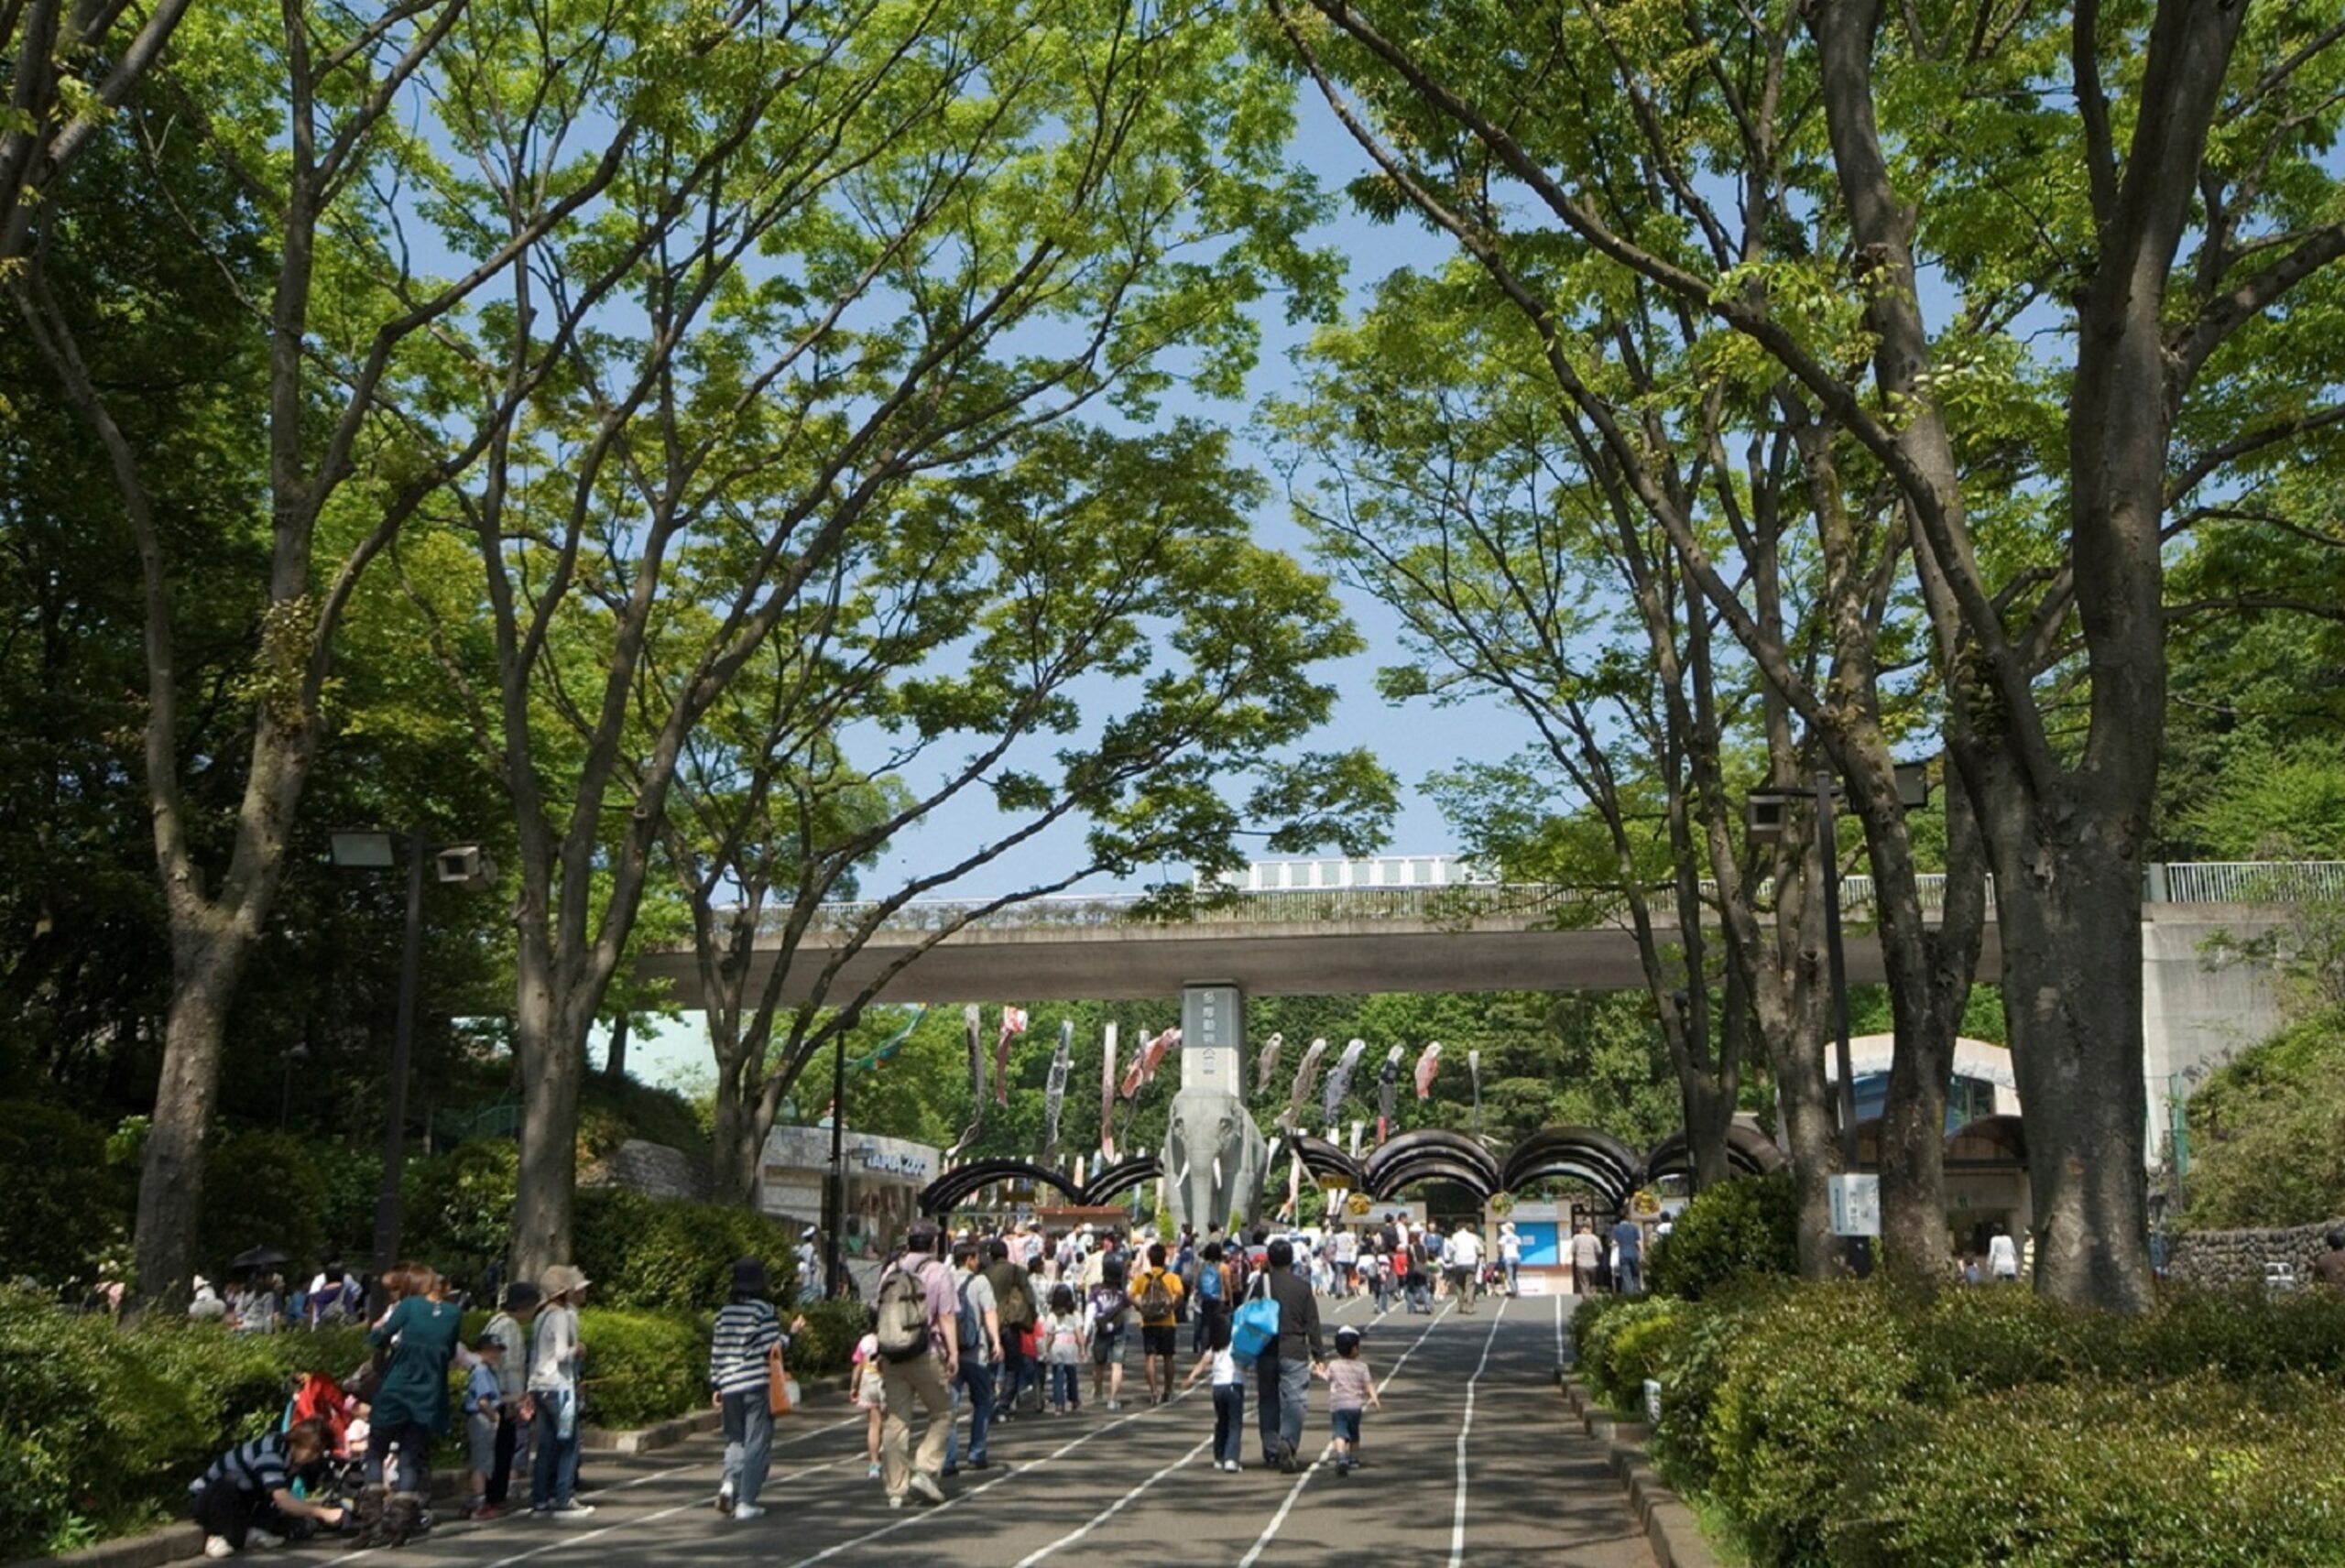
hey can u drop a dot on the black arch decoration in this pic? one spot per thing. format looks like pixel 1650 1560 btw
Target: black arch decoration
pixel 957 1185
pixel 1589 1154
pixel 1749 1152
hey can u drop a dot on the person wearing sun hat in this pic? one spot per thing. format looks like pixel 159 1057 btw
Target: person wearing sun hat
pixel 555 1355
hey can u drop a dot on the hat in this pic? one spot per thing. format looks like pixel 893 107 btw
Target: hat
pixel 201 1283
pixel 1347 1335
pixel 808 1233
pixel 561 1279
pixel 749 1277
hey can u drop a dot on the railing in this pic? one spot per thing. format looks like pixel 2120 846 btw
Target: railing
pixel 2205 882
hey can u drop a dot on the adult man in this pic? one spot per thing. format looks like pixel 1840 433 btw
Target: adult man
pixel 1587 1256
pixel 919 1346
pixel 1465 1248
pixel 977 1324
pixel 1346 1247
pixel 1282 1372
pixel 1628 1274
pixel 1510 1256
pixel 1013 1296
pixel 1419 1263
pixel 1156 1296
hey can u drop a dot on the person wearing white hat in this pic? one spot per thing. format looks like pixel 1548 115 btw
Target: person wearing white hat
pixel 207 1307
pixel 555 1352
pixel 811 1283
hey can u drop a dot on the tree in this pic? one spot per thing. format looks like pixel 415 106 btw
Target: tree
pixel 895 244
pixel 1086 572
pixel 320 169
pixel 1851 202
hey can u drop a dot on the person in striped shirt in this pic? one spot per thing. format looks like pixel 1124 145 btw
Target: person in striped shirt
pixel 739 1380
pixel 247 1497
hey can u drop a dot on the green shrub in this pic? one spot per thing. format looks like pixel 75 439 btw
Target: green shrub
pixel 1628 1345
pixel 828 1343
pixel 102 1427
pixel 458 1207
pixel 647 1255
pixel 2199 1473
pixel 276 1198
pixel 641 1367
pixel 1749 1225
pixel 1707 1333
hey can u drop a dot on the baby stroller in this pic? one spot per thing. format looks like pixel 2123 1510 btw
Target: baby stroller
pixel 318 1398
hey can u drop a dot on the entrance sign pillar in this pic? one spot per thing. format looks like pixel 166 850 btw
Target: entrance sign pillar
pixel 1213 1037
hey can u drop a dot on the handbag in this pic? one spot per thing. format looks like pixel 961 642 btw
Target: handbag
pixel 1255 1326
pixel 780 1390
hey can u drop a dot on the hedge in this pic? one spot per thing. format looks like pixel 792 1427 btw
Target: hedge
pixel 1849 1424
pixel 655 1255
pixel 1728 1233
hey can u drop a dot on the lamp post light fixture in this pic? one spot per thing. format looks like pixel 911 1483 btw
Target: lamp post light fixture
pixel 465 864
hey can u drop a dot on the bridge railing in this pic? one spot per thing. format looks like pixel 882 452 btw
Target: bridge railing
pixel 2201 882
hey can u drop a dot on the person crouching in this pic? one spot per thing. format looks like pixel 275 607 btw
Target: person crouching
pixel 247 1499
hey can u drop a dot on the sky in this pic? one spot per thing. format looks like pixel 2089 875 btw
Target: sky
pixel 1410 741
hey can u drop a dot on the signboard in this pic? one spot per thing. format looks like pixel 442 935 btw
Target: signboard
pixel 1213 1037
pixel 1856 1205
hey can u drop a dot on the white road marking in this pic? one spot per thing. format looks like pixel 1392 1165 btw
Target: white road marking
pixel 1465 1429
pixel 1278 1519
pixel 1112 1510
pixel 924 1514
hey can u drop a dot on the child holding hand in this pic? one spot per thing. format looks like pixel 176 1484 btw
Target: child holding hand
pixel 1351 1388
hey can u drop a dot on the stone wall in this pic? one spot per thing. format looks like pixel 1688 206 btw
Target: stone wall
pixel 2226 1260
pixel 654 1169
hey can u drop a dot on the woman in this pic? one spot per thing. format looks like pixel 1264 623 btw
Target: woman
pixel 411 1404
pixel 1509 1254
pixel 555 1355
pixel 740 1382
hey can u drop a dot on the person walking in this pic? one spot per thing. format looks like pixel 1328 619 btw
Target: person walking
pixel 2002 1257
pixel 1587 1256
pixel 740 1383
pixel 920 1349
pixel 1156 1296
pixel 1063 1350
pixel 1015 1301
pixel 1282 1372
pixel 869 1396
pixel 977 1321
pixel 1628 1268
pixel 1511 1257
pixel 1351 1390
pixel 1465 1247
pixel 1110 1306
pixel 1420 1265
pixel 556 1353
pixel 1228 1388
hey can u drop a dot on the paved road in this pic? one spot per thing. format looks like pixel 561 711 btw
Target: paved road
pixel 1470 1462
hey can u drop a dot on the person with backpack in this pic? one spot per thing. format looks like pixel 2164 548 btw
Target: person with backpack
pixel 1212 1290
pixel 1014 1300
pixel 1109 1306
pixel 977 1321
pixel 1063 1349
pixel 1156 1296
pixel 920 1353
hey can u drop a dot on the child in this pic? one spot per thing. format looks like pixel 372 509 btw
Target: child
pixel 869 1392
pixel 483 1412
pixel 1063 1347
pixel 1228 1393
pixel 1350 1387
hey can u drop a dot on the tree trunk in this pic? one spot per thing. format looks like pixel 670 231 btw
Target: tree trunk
pixel 1805 1103
pixel 615 1057
pixel 1709 1111
pixel 553 1061
pixel 170 1178
pixel 736 1141
pixel 2069 915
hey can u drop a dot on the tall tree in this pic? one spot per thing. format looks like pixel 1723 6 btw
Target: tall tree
pixel 1827 291
pixel 904 240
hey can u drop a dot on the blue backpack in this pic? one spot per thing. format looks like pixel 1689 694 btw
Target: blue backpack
pixel 1209 1284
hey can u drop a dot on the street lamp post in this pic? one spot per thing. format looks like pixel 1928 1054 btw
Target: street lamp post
pixel 465 863
pixel 835 1190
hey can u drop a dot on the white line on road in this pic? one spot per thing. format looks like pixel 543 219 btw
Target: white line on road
pixel 1465 1430
pixel 1112 1510
pixel 1278 1519
pixel 924 1515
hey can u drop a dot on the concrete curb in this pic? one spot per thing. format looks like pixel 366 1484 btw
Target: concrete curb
pixel 178 1543
pixel 1671 1530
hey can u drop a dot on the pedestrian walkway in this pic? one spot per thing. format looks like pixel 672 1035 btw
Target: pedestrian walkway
pixel 1472 1462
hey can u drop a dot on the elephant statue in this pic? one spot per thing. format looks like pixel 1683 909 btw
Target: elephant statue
pixel 1215 1159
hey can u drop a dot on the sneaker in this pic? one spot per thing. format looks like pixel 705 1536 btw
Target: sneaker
pixel 895 1500
pixel 980 1464
pixel 217 1546
pixel 576 1513
pixel 927 1487
pixel 874 1472
pixel 1115 1404
pixel 264 1540
pixel 951 1471
pixel 747 1512
pixel 725 1499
